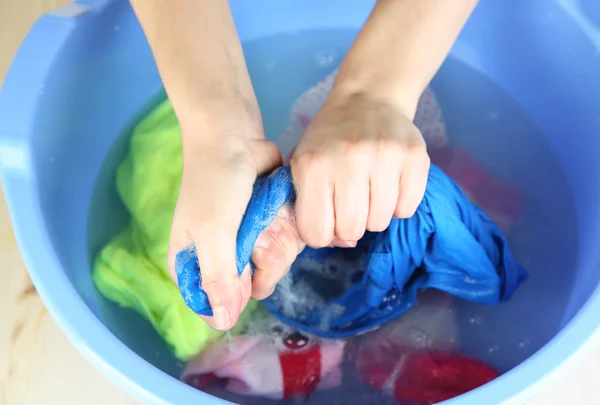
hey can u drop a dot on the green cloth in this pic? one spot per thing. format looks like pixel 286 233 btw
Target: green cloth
pixel 132 269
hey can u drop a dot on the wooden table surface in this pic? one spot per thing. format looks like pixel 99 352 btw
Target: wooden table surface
pixel 37 363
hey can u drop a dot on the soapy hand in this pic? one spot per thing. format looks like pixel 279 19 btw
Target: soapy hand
pixel 222 160
pixel 359 163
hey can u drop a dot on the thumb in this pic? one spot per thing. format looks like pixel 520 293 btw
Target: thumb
pixel 218 277
pixel 209 210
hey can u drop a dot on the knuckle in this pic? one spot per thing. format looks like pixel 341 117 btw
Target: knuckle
pixel 357 153
pixel 218 284
pixel 307 162
pixel 418 153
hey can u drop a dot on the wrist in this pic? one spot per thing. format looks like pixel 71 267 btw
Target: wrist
pixel 215 116
pixel 401 92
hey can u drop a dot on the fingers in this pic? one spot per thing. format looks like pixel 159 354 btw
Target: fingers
pixel 216 186
pixel 314 203
pixel 413 182
pixel 383 195
pixel 220 280
pixel 274 252
pixel 215 242
pixel 352 203
pixel 366 195
pixel 246 281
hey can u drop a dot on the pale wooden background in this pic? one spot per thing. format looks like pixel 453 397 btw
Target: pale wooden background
pixel 37 363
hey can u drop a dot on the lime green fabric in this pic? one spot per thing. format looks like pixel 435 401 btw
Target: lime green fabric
pixel 132 269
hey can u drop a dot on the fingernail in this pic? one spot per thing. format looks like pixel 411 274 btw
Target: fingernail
pixel 262 242
pixel 344 243
pixel 221 318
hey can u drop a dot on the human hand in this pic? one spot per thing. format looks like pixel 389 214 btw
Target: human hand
pixel 222 159
pixel 360 162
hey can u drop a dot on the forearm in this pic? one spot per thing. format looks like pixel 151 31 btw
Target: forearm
pixel 401 47
pixel 199 57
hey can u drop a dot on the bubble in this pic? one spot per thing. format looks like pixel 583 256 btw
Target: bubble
pixel 295 299
pixel 331 312
pixel 419 337
pixel 493 349
pixel 524 343
pixel 231 346
pixel 325 58
pixel 476 320
pixel 469 280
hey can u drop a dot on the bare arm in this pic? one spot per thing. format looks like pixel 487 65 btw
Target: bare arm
pixel 362 161
pixel 200 59
pixel 401 47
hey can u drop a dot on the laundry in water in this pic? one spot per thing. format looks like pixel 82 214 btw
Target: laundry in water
pixel 416 358
pixel 134 262
pixel 269 359
pixel 449 244
pixel 131 270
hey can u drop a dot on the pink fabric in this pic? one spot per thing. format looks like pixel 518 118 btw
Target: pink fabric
pixel 414 358
pixel 282 363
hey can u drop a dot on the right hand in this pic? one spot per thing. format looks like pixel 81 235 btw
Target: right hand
pixel 221 163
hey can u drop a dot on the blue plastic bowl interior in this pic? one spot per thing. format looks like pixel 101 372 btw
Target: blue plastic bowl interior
pixel 85 75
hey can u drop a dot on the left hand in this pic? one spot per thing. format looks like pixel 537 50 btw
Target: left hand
pixel 361 162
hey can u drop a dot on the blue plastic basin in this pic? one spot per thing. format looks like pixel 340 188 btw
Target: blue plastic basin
pixel 85 74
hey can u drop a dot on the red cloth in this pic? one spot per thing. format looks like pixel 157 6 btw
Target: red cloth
pixel 424 377
pixel 433 377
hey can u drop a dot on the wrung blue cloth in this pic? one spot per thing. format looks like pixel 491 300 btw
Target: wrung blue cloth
pixel 449 244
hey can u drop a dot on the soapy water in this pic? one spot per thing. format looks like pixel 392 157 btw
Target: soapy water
pixel 494 130
pixel 430 325
pixel 487 123
pixel 314 281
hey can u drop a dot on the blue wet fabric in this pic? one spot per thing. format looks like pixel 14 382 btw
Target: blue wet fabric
pixel 449 244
